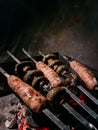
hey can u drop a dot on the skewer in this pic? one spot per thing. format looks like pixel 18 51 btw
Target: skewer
pixel 51 116
pixel 76 99
pixel 41 53
pixel 84 106
pixel 47 88
pixel 46 111
pixel 4 72
pixel 79 117
pixel 17 61
pixel 90 96
pixel 29 56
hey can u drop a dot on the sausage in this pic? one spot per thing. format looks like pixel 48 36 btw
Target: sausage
pixel 85 74
pixel 33 99
pixel 49 73
pixel 61 69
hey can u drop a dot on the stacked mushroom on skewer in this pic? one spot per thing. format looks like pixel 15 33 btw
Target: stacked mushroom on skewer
pixel 41 80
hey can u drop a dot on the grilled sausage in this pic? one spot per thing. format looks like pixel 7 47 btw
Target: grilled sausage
pixel 61 69
pixel 85 74
pixel 33 99
pixel 49 73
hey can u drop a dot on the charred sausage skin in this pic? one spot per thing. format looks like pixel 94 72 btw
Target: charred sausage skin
pixel 86 75
pixel 49 73
pixel 33 99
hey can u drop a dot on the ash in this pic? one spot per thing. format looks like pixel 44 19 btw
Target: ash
pixel 8 107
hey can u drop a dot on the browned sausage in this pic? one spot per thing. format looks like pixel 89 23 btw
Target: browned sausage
pixel 49 73
pixel 85 74
pixel 33 99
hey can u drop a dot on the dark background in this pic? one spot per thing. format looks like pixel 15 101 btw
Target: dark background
pixel 67 26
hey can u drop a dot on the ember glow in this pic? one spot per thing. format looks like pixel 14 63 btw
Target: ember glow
pixel 22 122
pixel 44 128
pixel 80 95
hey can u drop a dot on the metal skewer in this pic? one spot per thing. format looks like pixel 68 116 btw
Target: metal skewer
pixel 29 56
pixel 51 116
pixel 84 106
pixel 13 57
pixel 58 122
pixel 41 53
pixel 90 96
pixel 80 118
pixel 46 111
pixel 75 98
pixel 47 88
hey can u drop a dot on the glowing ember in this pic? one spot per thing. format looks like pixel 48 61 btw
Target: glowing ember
pixel 22 120
pixel 79 94
pixel 42 128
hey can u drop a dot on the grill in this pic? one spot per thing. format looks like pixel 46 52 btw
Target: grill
pixel 79 110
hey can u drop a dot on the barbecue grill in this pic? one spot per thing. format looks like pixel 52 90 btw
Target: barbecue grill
pixel 77 113
pixel 49 26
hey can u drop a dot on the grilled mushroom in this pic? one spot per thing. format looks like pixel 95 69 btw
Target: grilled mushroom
pixel 61 70
pixel 48 57
pixel 51 63
pixel 56 95
pixel 39 82
pixel 22 67
pixel 29 76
